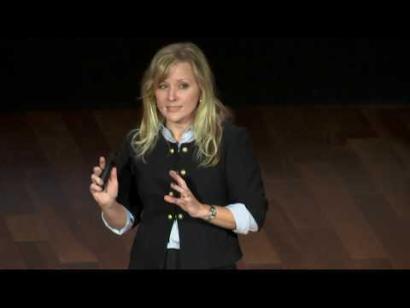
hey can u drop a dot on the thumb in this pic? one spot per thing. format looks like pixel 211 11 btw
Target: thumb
pixel 112 186
pixel 113 175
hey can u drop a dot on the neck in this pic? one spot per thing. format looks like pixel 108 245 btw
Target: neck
pixel 177 129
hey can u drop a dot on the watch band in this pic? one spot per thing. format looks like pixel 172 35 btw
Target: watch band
pixel 212 213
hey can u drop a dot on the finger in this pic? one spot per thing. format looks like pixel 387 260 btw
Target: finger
pixel 102 163
pixel 95 188
pixel 172 200
pixel 178 188
pixel 96 180
pixel 97 171
pixel 178 178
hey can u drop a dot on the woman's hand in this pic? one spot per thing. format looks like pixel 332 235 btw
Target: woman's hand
pixel 104 197
pixel 187 201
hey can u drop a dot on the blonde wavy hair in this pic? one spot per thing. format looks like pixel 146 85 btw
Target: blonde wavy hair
pixel 209 115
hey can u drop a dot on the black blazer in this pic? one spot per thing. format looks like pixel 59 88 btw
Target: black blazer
pixel 142 187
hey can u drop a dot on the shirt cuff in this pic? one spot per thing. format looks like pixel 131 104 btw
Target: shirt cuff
pixel 243 218
pixel 128 224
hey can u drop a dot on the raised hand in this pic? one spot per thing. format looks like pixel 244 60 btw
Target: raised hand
pixel 105 197
pixel 187 200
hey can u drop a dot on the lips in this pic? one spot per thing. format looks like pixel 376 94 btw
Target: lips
pixel 173 108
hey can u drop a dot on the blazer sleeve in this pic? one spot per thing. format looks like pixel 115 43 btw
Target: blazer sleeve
pixel 127 185
pixel 243 175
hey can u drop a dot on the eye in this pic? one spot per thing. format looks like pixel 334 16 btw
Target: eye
pixel 183 86
pixel 162 86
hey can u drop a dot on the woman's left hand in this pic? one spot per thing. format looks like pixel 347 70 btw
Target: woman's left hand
pixel 187 200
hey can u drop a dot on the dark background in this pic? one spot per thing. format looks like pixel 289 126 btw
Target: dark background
pixel 57 72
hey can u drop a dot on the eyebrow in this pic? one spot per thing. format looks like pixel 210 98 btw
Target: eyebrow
pixel 180 79
pixel 183 79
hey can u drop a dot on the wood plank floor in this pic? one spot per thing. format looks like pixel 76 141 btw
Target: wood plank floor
pixel 337 179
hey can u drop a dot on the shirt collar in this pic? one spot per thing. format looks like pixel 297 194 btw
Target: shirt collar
pixel 187 135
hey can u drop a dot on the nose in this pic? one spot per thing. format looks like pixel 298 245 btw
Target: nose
pixel 172 94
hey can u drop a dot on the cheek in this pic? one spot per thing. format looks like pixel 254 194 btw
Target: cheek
pixel 192 106
pixel 160 102
pixel 192 101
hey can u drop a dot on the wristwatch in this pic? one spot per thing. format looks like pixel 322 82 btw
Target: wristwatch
pixel 212 213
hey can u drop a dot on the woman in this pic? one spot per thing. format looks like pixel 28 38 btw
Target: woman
pixel 187 176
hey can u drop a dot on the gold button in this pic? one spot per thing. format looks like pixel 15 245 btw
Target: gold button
pixel 171 193
pixel 183 172
pixel 180 216
pixel 184 149
pixel 171 150
pixel 170 217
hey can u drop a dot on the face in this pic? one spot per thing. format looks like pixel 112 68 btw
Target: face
pixel 178 95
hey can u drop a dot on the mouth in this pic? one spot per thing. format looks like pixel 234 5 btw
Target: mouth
pixel 173 108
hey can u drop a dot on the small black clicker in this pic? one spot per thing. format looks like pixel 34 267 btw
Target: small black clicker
pixel 105 174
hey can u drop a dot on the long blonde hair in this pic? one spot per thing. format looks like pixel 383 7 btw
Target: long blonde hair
pixel 210 112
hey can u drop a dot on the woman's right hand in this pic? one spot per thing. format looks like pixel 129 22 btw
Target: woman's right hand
pixel 104 197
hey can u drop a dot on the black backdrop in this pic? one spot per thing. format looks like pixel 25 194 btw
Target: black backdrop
pixel 65 72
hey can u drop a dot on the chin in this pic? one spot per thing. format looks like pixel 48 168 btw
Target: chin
pixel 175 118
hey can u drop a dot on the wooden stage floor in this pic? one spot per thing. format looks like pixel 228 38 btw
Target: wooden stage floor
pixel 337 179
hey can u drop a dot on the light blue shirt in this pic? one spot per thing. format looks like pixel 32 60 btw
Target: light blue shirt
pixel 244 220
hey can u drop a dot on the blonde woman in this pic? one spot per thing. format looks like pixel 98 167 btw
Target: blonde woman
pixel 186 176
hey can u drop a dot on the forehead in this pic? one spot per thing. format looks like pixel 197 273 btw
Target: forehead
pixel 180 70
